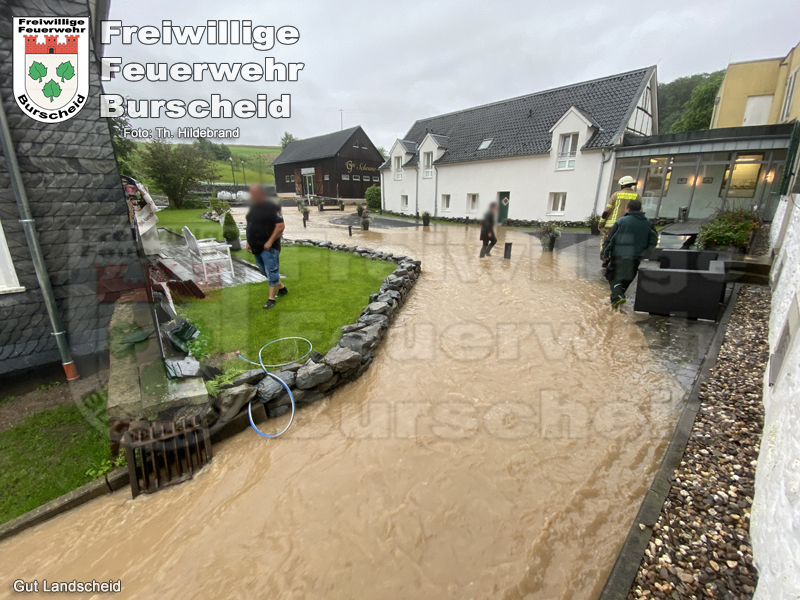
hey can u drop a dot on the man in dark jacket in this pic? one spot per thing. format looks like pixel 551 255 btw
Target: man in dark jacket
pixel 488 237
pixel 631 238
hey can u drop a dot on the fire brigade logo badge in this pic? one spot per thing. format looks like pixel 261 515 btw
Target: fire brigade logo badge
pixel 51 66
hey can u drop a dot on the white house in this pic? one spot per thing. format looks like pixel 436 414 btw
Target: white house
pixel 544 156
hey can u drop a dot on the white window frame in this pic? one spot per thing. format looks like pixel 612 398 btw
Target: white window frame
pixel 473 199
pixel 292 179
pixel 567 151
pixel 427 165
pixel 345 177
pixel 376 179
pixel 446 202
pixel 484 145
pixel 398 168
pixel 791 83
pixel 559 210
pixel 356 144
pixel 326 177
pixel 404 202
pixel 9 283
pixel 288 180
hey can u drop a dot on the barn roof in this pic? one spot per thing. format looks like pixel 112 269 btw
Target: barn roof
pixel 321 146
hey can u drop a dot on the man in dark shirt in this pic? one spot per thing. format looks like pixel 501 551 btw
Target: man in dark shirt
pixel 264 229
pixel 488 237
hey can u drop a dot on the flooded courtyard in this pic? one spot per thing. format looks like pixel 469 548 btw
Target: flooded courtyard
pixel 499 447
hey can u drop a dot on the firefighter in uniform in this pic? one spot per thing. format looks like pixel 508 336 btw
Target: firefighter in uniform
pixel 617 204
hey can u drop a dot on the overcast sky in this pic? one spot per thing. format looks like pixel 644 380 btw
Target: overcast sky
pixel 388 64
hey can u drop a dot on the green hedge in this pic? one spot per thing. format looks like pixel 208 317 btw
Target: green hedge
pixel 373 196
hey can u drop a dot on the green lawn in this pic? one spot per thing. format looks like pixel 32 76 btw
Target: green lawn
pixel 327 289
pixel 47 454
pixel 176 218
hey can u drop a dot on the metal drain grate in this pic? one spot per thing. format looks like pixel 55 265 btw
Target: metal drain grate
pixel 166 453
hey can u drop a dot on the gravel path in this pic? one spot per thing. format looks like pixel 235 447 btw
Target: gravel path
pixel 701 544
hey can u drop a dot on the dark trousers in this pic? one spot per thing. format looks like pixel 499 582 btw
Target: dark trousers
pixel 620 274
pixel 488 244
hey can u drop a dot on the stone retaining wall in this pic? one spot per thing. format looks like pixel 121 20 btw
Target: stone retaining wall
pixel 345 362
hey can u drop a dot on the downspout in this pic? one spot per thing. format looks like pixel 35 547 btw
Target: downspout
pixel 603 161
pixel 416 193
pixel 435 191
pixel 383 198
pixel 29 227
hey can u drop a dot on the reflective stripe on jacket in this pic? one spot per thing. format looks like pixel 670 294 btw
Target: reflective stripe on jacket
pixel 616 207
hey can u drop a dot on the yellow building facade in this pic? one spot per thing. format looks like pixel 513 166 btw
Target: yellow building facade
pixel 759 92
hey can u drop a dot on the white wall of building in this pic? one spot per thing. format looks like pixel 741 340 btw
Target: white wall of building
pixel 775 528
pixel 530 180
pixel 394 188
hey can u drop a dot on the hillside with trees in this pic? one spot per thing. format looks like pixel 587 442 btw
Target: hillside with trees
pixel 687 103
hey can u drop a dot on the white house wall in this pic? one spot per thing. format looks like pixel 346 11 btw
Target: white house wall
pixel 393 189
pixel 530 180
pixel 775 526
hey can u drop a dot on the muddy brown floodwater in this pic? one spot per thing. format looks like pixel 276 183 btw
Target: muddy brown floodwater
pixel 499 447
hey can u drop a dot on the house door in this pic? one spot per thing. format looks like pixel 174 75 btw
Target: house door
pixel 308 184
pixel 504 199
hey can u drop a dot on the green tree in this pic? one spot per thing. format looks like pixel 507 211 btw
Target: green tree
pixel 261 164
pixel 176 170
pixel 383 152
pixel 287 139
pixel 124 147
pixel 212 150
pixel 697 112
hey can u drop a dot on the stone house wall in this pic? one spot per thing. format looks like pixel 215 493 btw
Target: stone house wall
pixel 74 189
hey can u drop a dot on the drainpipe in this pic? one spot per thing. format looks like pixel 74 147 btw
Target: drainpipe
pixel 383 198
pixel 29 227
pixel 435 191
pixel 603 161
pixel 416 193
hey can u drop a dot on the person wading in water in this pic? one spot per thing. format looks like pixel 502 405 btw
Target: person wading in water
pixel 631 238
pixel 488 237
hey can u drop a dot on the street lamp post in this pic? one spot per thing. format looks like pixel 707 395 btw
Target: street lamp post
pixel 243 173
pixel 233 174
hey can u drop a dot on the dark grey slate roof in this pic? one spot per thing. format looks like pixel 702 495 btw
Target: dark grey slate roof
pixel 521 126
pixel 442 140
pixel 321 146
pixel 410 146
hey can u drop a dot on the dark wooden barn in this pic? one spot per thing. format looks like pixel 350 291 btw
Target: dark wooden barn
pixel 336 165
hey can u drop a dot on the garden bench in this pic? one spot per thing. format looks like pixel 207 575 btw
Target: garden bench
pixel 207 251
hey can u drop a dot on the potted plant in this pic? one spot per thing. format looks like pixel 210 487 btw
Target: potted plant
pixel 426 218
pixel 341 205
pixel 551 231
pixel 594 224
pixel 360 210
pixel 306 213
pixel 364 214
pixel 230 231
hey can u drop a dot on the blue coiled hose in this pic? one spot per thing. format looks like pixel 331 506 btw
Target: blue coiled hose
pixel 276 378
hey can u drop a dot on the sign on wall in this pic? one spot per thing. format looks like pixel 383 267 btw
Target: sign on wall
pixel 51 66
